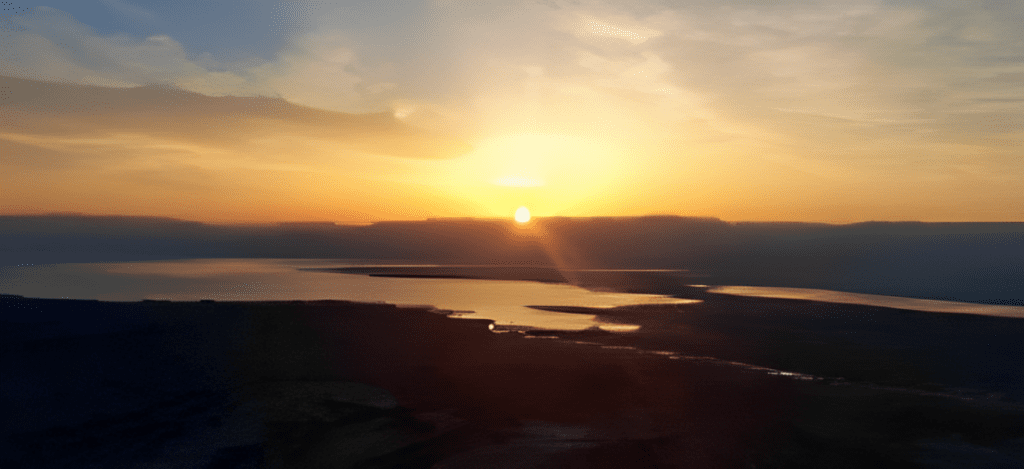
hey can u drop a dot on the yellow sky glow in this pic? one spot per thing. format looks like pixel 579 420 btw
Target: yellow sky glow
pixel 745 112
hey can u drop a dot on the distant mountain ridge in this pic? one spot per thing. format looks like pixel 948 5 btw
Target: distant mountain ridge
pixel 978 262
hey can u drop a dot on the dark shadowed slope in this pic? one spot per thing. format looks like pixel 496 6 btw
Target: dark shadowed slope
pixel 339 384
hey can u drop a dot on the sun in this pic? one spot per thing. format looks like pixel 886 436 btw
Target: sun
pixel 522 215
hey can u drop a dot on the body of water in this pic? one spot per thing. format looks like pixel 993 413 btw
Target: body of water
pixel 503 301
pixel 915 304
pixel 286 279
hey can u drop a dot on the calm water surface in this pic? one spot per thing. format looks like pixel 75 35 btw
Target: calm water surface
pixel 828 296
pixel 283 279
pixel 280 279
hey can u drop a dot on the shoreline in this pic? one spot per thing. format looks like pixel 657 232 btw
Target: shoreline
pixel 669 282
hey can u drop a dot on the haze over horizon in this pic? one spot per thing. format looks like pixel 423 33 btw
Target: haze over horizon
pixel 998 226
pixel 361 111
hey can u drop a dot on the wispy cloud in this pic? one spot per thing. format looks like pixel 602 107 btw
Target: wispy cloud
pixel 65 116
pixel 163 150
pixel 320 70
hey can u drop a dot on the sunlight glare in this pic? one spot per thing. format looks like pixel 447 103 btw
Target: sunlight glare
pixel 522 215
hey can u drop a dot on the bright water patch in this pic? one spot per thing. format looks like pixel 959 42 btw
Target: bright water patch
pixel 828 296
pixel 283 279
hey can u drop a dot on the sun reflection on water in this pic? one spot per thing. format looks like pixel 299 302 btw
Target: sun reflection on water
pixel 503 301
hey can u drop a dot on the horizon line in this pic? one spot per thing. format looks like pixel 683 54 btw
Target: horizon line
pixel 73 214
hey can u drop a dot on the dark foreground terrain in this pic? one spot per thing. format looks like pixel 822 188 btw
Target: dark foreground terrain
pixel 339 384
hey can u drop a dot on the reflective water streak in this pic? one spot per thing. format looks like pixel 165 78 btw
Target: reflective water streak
pixel 828 296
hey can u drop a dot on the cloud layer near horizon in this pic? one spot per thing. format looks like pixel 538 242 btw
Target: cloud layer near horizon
pixel 145 149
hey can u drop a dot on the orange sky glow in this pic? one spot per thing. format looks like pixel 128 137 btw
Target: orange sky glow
pixel 824 112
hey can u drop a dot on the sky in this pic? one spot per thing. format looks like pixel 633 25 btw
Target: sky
pixel 360 111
